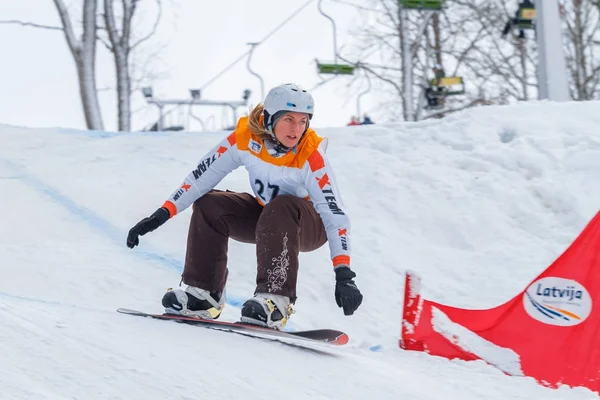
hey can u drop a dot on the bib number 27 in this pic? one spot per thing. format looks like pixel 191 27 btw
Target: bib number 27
pixel 266 195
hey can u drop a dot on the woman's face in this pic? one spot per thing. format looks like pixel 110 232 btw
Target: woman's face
pixel 289 128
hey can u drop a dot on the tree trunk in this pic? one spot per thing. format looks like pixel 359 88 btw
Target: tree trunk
pixel 87 76
pixel 437 40
pixel 407 89
pixel 123 90
pixel 121 48
pixel 84 54
pixel 523 56
pixel 580 61
pixel 86 72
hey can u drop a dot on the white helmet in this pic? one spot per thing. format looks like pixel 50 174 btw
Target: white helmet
pixel 287 97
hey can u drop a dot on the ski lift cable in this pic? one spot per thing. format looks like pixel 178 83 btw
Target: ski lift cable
pixel 237 60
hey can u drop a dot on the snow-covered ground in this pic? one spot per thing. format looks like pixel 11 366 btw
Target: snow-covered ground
pixel 478 204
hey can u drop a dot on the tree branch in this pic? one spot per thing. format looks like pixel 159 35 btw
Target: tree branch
pixel 110 23
pixel 55 28
pixel 128 11
pixel 105 43
pixel 456 109
pixel 154 27
pixel 74 44
pixel 89 26
pixel 382 78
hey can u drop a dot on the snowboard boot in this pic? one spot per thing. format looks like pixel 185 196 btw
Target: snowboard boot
pixel 268 310
pixel 194 302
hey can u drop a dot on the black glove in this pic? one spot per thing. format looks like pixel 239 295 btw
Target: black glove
pixel 146 225
pixel 347 294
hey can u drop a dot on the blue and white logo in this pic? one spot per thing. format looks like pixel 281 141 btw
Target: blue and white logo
pixel 255 146
pixel 557 301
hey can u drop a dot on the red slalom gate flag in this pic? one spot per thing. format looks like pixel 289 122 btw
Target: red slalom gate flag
pixel 550 331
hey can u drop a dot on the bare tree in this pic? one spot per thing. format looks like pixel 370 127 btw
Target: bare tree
pixel 386 47
pixel 122 42
pixel 501 58
pixel 506 68
pixel 399 48
pixel 582 20
pixel 83 51
pixel 462 40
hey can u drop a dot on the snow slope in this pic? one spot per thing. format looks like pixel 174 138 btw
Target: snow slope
pixel 478 203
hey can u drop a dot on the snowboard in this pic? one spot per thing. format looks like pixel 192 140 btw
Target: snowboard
pixel 327 336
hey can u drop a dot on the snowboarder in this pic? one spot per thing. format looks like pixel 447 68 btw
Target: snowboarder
pixel 296 207
pixel 367 120
pixel 353 121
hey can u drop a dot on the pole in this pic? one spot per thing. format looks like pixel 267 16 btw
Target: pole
pixel 262 83
pixel 334 33
pixel 161 119
pixel 552 70
pixel 407 67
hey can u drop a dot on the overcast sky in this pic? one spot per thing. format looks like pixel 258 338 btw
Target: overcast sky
pixel 38 83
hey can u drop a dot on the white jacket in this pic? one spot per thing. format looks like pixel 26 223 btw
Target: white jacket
pixel 303 173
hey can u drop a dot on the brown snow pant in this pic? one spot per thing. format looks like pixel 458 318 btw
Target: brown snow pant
pixel 280 230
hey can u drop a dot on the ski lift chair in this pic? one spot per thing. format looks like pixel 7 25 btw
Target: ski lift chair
pixel 524 19
pixel 447 86
pixel 434 5
pixel 335 69
pixel 526 15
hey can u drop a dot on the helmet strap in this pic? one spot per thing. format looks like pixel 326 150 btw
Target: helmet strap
pixel 267 121
pixel 268 124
